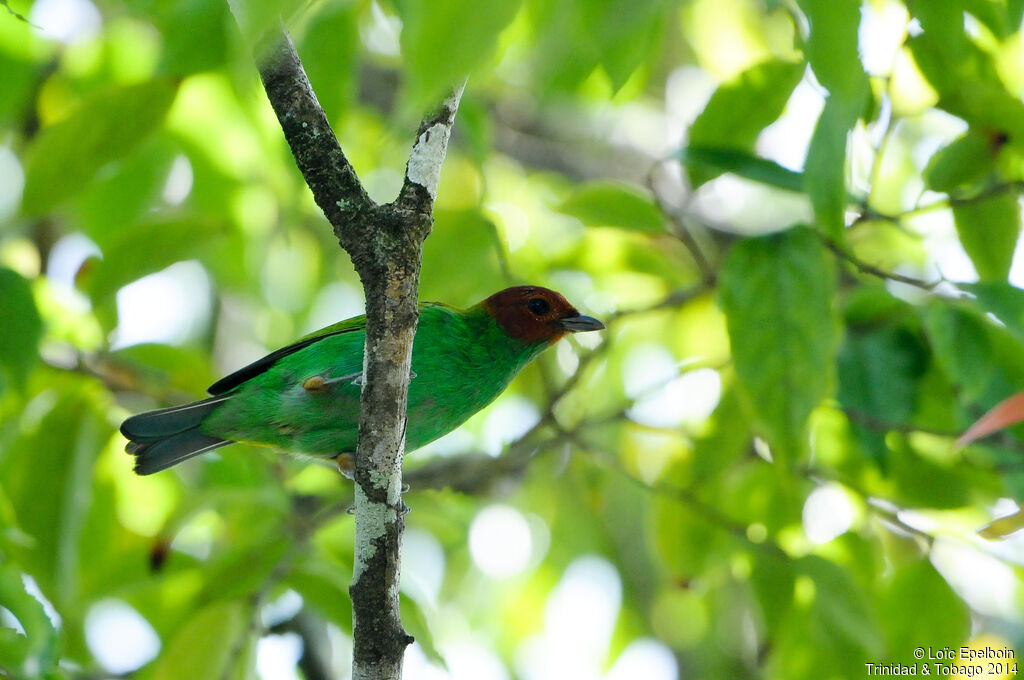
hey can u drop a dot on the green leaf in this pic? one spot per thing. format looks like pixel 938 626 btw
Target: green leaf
pixel 741 108
pixel 832 51
pixel 918 481
pixel 22 327
pixel 961 346
pixel 878 373
pixel 967 159
pixel 1014 12
pixel 772 579
pixel 984 360
pixel 993 14
pixel 939 618
pixel 965 76
pixel 202 648
pixel 323 586
pixel 716 161
pixel 154 369
pixel 628 35
pixel 11 11
pixel 988 230
pixel 145 249
pixel 465 241
pixel 19 77
pixel 47 476
pixel 614 204
pixel 67 155
pixel 825 167
pixel 329 51
pixel 196 36
pixel 415 620
pixel 840 606
pixel 832 47
pixel 575 38
pixel 829 630
pixel 37 647
pixel 1003 300
pixel 243 570
pixel 777 294
pixel 443 42
pixel 126 192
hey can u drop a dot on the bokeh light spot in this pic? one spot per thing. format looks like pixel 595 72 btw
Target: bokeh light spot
pixel 500 542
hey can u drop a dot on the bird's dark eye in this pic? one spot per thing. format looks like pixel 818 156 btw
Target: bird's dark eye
pixel 539 306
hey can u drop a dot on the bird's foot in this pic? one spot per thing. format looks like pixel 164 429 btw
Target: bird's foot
pixel 318 384
pixel 346 463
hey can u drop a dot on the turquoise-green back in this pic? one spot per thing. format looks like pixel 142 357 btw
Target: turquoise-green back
pixel 461 360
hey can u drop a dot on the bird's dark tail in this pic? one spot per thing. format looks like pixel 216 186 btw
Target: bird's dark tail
pixel 165 437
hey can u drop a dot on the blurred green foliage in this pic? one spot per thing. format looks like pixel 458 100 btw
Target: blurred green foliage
pixel 799 220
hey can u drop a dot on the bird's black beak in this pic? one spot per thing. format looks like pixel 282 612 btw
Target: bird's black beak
pixel 580 322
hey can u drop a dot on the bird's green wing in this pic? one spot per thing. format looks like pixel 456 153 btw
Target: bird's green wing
pixel 355 324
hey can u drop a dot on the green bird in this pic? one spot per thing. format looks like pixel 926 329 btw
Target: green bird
pixel 305 397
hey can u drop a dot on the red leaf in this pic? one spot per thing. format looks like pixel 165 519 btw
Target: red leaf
pixel 1005 413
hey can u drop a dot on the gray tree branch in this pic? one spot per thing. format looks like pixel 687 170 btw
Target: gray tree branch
pixel 385 243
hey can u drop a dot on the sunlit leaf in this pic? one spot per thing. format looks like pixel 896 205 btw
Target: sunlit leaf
pixel 992 14
pixel 614 204
pixel 66 156
pixel 575 38
pixel 968 158
pixel 776 294
pixel 965 75
pixel 919 480
pixel 145 249
pixel 202 647
pixel 196 36
pixel 832 50
pixel 37 645
pixel 832 47
pixel 442 43
pixel 772 579
pixel 988 230
pixel 938 618
pixel 741 108
pixel 466 241
pixel 825 167
pixel 47 476
pixel 840 607
pixel 329 51
pixel 6 5
pixel 23 327
pixel 742 164
pixel 18 79
pixel 829 629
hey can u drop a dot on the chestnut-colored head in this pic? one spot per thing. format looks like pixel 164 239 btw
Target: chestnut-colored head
pixel 535 314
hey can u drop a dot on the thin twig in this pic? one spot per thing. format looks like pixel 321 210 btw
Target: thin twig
pixel 871 270
pixel 707 272
pixel 676 298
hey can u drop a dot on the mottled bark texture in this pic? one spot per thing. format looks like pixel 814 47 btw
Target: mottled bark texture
pixel 385 243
